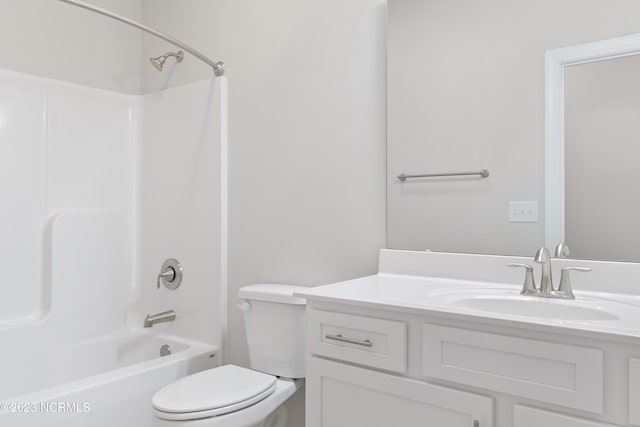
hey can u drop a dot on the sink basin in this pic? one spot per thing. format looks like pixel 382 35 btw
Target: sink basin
pixel 540 307
pixel 509 302
pixel 503 301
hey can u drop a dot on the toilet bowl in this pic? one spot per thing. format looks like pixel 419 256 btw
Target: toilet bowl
pixel 232 396
pixel 193 401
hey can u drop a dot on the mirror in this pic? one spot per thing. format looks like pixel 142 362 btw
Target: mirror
pixel 592 135
pixel 466 92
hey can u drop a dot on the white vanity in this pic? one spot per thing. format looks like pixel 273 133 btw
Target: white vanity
pixel 446 340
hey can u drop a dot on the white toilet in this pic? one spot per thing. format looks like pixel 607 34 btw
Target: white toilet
pixel 231 396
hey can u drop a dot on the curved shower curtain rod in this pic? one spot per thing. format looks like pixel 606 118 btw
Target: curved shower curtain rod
pixel 218 67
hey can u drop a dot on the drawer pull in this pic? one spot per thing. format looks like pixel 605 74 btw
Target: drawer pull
pixel 340 338
pixel 476 423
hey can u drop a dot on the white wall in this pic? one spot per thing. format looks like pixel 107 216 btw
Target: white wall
pixel 55 40
pixel 306 135
pixel 466 92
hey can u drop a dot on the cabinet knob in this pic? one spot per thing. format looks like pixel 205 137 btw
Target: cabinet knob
pixel 476 423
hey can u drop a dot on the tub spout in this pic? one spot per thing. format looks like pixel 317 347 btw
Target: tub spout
pixel 165 316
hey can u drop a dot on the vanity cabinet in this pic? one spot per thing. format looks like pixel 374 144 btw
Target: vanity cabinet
pixel 356 396
pixel 380 368
pixel 443 340
pixel 351 396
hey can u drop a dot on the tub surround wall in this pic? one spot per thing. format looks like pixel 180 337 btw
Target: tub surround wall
pixel 99 188
pixel 84 157
pixel 69 159
pixel 83 297
pixel 22 129
pixel 179 202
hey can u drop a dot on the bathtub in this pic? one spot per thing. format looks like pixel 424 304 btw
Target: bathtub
pixel 103 382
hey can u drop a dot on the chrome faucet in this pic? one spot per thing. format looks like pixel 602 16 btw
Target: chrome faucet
pixel 165 316
pixel 546 281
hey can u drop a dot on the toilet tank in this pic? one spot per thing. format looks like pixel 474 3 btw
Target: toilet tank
pixel 275 328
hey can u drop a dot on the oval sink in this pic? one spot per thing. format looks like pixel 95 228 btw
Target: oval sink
pixel 540 307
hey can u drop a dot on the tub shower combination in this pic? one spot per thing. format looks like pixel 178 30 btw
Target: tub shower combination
pixel 77 349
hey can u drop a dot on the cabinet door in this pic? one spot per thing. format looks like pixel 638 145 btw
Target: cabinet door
pixel 340 395
pixel 561 374
pixel 634 392
pixel 524 416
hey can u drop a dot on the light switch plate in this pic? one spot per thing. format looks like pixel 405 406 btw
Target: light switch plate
pixel 523 211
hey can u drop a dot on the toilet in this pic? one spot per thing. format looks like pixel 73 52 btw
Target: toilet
pixel 232 396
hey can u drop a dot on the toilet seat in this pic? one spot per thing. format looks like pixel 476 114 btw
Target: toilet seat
pixel 212 393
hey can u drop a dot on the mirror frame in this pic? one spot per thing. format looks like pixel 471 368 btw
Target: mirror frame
pixel 556 60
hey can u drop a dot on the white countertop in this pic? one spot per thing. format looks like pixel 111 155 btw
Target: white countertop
pixel 617 316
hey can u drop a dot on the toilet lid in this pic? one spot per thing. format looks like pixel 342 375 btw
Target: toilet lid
pixel 214 392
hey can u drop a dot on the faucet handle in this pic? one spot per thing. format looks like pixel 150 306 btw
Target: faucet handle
pixel 169 275
pixel 529 286
pixel 565 281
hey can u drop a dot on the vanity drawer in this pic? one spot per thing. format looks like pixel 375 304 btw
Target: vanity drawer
pixel 561 374
pixel 368 341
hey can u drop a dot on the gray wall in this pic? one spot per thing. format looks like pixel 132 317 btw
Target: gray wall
pixel 51 39
pixel 602 146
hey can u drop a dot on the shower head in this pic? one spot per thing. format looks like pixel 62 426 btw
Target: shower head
pixel 158 62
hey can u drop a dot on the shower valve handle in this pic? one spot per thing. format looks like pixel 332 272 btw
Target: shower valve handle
pixel 170 274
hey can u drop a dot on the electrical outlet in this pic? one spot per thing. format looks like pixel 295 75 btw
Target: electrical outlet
pixel 523 211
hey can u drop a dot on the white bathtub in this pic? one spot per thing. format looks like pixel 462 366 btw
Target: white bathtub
pixel 104 382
